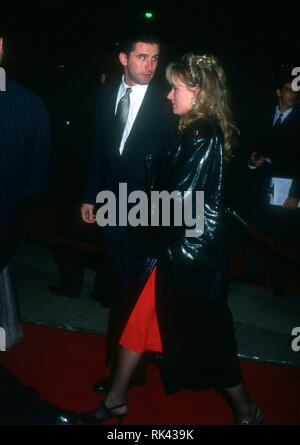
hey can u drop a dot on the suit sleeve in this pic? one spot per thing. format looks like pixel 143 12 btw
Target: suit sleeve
pixel 94 173
pixel 36 152
pixel 295 189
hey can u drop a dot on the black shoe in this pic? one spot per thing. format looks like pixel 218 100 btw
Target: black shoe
pixel 89 417
pixel 102 387
pixel 50 414
pixel 257 418
pixel 59 290
pixel 67 418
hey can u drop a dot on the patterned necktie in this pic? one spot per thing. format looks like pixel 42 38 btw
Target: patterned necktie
pixel 122 116
pixel 278 122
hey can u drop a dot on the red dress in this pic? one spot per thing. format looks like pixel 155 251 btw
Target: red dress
pixel 141 332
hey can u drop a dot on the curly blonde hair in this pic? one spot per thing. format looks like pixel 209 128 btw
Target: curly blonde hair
pixel 213 98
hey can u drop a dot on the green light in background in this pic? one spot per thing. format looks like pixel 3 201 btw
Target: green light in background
pixel 148 15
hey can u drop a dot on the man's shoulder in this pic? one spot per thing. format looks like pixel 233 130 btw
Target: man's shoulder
pixel 295 114
pixel 108 87
pixel 20 93
pixel 158 89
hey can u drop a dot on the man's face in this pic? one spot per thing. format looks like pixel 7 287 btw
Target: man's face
pixel 287 97
pixel 140 65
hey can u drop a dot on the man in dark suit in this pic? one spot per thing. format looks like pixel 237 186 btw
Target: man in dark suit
pixel 120 157
pixel 24 165
pixel 274 146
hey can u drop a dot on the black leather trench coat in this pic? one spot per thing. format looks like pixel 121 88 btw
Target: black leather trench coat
pixel 189 269
pixel 195 323
pixel 193 162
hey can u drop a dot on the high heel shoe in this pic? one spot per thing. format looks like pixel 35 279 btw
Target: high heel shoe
pixel 257 418
pixel 90 418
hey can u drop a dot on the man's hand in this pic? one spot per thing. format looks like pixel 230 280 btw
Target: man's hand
pixel 256 162
pixel 87 213
pixel 291 203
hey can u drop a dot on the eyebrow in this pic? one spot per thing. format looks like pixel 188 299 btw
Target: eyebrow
pixel 147 55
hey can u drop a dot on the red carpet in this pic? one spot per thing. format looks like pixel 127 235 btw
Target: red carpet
pixel 63 366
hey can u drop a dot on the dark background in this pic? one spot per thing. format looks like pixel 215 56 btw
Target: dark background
pixel 60 49
pixel 252 42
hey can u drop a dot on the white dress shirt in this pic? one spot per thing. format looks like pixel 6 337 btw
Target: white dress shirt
pixel 136 98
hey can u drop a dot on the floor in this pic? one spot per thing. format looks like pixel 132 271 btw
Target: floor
pixel 263 322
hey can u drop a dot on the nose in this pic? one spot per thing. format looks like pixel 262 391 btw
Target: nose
pixel 149 64
pixel 170 95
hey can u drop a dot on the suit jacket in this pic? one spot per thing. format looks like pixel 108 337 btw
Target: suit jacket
pixel 24 161
pixel 153 127
pixel 282 146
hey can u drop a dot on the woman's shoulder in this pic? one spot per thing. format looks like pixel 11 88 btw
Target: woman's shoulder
pixel 203 127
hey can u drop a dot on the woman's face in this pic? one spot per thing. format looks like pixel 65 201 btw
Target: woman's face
pixel 181 97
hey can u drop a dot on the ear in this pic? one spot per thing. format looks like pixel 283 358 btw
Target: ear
pixel 278 92
pixel 123 59
pixel 1 46
pixel 195 91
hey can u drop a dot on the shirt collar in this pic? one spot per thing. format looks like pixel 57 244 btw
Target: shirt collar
pixel 285 114
pixel 139 89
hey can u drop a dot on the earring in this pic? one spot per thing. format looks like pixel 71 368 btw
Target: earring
pixel 193 101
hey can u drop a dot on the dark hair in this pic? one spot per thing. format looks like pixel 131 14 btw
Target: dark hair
pixel 4 30
pixel 282 79
pixel 128 42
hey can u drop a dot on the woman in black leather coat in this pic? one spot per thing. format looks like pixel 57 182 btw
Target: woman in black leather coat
pixel 195 325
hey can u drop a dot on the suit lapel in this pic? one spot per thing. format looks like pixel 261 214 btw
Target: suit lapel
pixel 285 123
pixel 107 114
pixel 271 121
pixel 143 114
pixel 111 103
pixel 288 119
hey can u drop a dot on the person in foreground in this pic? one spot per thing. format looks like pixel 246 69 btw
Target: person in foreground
pixel 181 310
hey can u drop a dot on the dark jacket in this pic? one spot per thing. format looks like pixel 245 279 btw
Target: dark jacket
pixel 191 272
pixel 251 187
pixel 281 145
pixel 24 161
pixel 194 268
pixel 195 264
pixel 152 129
